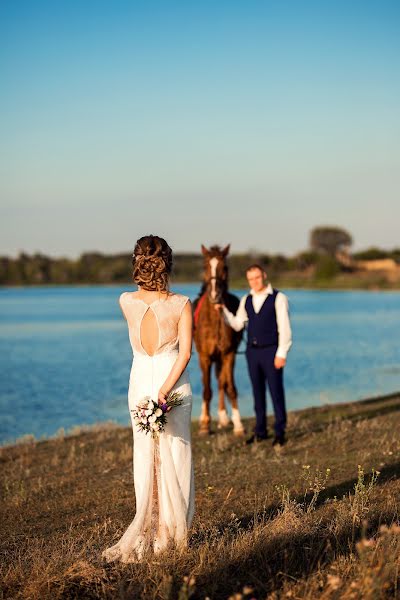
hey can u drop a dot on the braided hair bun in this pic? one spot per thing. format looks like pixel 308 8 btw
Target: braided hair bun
pixel 152 263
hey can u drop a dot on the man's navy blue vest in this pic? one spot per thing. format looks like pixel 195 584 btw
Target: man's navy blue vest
pixel 262 328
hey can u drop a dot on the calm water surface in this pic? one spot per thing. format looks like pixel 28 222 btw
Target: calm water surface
pixel 66 357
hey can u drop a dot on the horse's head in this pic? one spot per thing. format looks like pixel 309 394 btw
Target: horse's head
pixel 215 272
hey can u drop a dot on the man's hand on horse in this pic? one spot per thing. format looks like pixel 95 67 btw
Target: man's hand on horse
pixel 279 362
pixel 218 306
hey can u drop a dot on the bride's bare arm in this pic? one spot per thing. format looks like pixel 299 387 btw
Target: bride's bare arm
pixel 185 351
pixel 120 305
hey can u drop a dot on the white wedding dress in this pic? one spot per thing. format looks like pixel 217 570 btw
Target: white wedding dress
pixel 162 468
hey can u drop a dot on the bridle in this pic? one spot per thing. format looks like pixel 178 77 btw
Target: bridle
pixel 213 280
pixel 202 298
pixel 218 299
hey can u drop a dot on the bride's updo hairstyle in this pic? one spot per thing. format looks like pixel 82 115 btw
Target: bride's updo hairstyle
pixel 152 263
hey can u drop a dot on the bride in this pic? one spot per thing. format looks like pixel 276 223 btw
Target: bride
pixel 160 332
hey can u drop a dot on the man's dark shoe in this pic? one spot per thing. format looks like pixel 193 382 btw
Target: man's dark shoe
pixel 256 438
pixel 279 440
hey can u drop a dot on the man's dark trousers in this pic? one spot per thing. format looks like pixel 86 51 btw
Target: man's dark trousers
pixel 260 362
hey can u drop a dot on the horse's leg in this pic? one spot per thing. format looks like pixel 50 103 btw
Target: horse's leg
pixel 223 418
pixel 205 365
pixel 228 375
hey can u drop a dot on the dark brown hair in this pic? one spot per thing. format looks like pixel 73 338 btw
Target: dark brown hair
pixel 255 266
pixel 152 263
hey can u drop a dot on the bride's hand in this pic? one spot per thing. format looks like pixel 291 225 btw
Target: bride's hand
pixel 162 398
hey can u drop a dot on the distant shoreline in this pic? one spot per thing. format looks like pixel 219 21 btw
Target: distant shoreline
pixel 339 408
pixel 232 286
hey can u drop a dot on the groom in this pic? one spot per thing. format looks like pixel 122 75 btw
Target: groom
pixel 269 337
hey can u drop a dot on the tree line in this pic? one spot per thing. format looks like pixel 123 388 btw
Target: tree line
pixel 99 268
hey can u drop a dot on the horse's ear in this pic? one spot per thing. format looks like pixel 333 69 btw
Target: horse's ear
pixel 225 250
pixel 204 250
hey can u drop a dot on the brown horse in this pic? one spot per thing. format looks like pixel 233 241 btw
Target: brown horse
pixel 216 342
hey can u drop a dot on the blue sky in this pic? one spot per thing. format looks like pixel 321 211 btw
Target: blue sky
pixel 205 122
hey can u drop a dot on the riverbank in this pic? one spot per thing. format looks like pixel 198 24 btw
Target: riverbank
pixel 378 281
pixel 373 269
pixel 318 519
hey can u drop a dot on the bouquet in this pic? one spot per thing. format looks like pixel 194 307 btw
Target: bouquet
pixel 150 417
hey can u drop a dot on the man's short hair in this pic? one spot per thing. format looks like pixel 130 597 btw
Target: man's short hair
pixel 255 266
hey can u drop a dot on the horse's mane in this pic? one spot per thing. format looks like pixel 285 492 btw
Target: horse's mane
pixel 215 250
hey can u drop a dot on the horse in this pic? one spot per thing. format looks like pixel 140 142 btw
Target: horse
pixel 216 342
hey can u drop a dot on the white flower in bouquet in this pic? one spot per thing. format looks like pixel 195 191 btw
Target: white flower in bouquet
pixel 150 417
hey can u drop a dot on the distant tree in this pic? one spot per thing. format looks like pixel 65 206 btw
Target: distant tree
pixel 372 253
pixel 277 263
pixel 395 254
pixel 326 268
pixel 305 259
pixel 330 240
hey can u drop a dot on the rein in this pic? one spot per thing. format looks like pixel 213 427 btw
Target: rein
pixel 198 308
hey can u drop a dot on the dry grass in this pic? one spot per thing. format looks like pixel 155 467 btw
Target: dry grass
pixel 318 519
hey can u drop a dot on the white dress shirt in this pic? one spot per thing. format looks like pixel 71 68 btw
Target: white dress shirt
pixel 238 321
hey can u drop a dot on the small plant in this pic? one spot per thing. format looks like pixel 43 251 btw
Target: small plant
pixel 361 500
pixel 288 504
pixel 284 495
pixel 315 484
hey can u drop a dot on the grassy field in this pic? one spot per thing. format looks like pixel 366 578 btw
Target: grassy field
pixel 317 519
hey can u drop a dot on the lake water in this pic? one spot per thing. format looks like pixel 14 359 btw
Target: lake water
pixel 66 357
